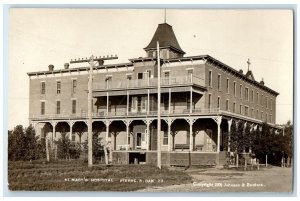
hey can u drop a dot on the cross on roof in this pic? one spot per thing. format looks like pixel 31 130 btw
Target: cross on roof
pixel 248 62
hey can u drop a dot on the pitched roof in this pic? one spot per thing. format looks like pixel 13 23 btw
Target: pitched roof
pixel 166 37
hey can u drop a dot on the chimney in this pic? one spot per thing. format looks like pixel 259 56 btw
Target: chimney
pixel 51 67
pixel 262 82
pixel 66 65
pixel 241 71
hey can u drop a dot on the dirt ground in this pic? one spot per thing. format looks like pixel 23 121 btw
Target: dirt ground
pixel 271 179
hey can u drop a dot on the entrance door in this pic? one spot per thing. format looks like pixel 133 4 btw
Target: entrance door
pixel 144 143
pixel 141 141
pixel 138 140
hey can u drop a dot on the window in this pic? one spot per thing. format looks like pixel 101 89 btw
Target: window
pixel 227 105
pixel 167 74
pixel 252 112
pixel 257 114
pixel 108 81
pixel 252 96
pixel 128 139
pixel 140 76
pixel 262 116
pixel 266 102
pixel 219 82
pixel 234 107
pixel 58 86
pixel 234 89
pixel 246 110
pixel 129 77
pixel 262 100
pixel 149 73
pixel 190 75
pixel 188 101
pixel 270 118
pixel 241 109
pixel 109 106
pixel 73 106
pixel 42 107
pixel 57 107
pixel 43 87
pixel 210 78
pixel 144 102
pixel 246 93
pixel 257 98
pixel 165 139
pixel 266 116
pixel 271 103
pixel 241 86
pixel 209 101
pixel 227 85
pixel 74 85
pixel 218 106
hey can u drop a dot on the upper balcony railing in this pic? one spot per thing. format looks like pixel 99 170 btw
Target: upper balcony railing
pixel 149 82
pixel 114 114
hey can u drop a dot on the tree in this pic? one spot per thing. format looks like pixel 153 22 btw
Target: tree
pixel 16 143
pixel 288 141
pixel 80 128
pixel 23 145
pixel 30 144
pixel 63 146
pixel 98 149
pixel 237 137
pixel 247 138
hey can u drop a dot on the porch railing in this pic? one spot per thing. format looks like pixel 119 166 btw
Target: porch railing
pixel 149 82
pixel 84 115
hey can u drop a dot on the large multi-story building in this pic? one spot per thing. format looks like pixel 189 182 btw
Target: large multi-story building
pixel 200 98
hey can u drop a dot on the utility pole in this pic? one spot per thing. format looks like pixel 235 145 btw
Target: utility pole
pixel 90 122
pixel 158 109
pixel 91 60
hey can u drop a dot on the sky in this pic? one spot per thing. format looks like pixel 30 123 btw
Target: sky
pixel 39 37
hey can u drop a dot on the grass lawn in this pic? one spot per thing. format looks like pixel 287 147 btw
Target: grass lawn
pixel 76 176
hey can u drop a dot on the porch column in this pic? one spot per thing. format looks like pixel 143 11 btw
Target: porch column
pixel 244 130
pixel 127 103
pixel 229 133
pixel 191 100
pixel 169 100
pixel 191 122
pixel 71 123
pixel 218 120
pixel 169 122
pixel 148 101
pixel 148 122
pixel 53 131
pixel 107 102
pixel 108 141
pixel 127 123
pixel 251 130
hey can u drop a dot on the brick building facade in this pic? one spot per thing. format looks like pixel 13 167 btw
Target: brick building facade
pixel 200 97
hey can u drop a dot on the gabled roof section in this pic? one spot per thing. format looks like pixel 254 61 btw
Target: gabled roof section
pixel 249 75
pixel 166 37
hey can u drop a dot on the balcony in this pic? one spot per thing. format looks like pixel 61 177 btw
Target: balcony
pixel 122 114
pixel 148 83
